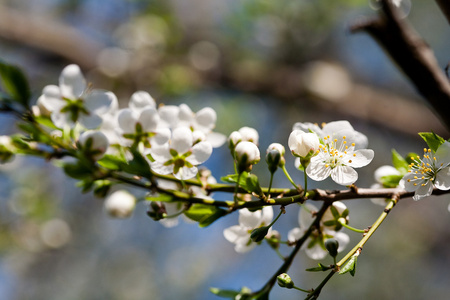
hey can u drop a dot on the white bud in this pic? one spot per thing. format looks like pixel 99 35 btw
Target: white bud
pixel 276 146
pixel 99 143
pixel 140 100
pixel 249 134
pixel 302 144
pixel 120 204
pixel 247 154
pixel 234 138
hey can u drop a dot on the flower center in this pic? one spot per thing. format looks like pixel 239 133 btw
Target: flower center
pixel 425 168
pixel 336 153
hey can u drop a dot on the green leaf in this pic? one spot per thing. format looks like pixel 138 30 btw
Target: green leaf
pixel 350 266
pixel 204 214
pixel 253 184
pixel 112 162
pixel 76 170
pixel 320 268
pixel 432 139
pixel 161 198
pixel 399 162
pixel 224 293
pixel 101 188
pixel 234 177
pixel 15 83
pixel 391 181
pixel 138 165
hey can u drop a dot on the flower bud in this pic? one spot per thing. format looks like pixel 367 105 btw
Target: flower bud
pixel 303 144
pixel 274 156
pixel 120 204
pixel 247 154
pixel 234 138
pixel 6 149
pixel 94 143
pixel 258 234
pixel 332 247
pixel 284 280
pixel 249 134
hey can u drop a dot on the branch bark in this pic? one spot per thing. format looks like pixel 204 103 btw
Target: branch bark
pixel 413 56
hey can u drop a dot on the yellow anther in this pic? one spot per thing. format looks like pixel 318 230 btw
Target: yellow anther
pixel 344 137
pixel 415 177
pixel 327 165
pixel 350 161
pixel 429 150
pixel 424 149
pixel 409 180
pixel 335 140
pixel 353 144
pixel 354 154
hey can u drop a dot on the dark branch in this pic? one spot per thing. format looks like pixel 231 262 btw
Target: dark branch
pixel 413 56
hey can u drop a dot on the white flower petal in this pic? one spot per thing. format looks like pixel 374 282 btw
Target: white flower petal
pixel 442 181
pixel 160 168
pixel 216 139
pixel 243 248
pixel 295 234
pixel 234 233
pixel 140 100
pixel 61 120
pixel 343 240
pixel 385 171
pixel 90 121
pixel 443 154
pixel 168 115
pixel 149 119
pixel 423 191
pixel 316 252
pixel 317 170
pixel 51 98
pixel 206 119
pixel 249 219
pixel 344 175
pixel 360 158
pixel 127 120
pixel 200 153
pixel 185 173
pixel 266 215
pixel 99 102
pixel 305 216
pixel 181 139
pixel 161 153
pixel 72 82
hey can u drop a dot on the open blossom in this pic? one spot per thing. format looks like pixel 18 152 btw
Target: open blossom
pixel 337 155
pixel 203 121
pixel 314 246
pixel 428 172
pixel 239 235
pixel 72 101
pixel 180 156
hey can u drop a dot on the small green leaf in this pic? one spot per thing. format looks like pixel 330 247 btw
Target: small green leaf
pixel 253 184
pixel 234 177
pixel 112 162
pixel 399 162
pixel 320 268
pixel 15 83
pixel 350 266
pixel 76 170
pixel 204 214
pixel 161 198
pixel 391 181
pixel 138 165
pixel 101 188
pixel 432 139
pixel 224 293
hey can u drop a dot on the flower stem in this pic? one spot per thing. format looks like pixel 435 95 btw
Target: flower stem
pixel 297 288
pixel 236 190
pixel 350 227
pixel 305 191
pixel 288 176
pixel 279 214
pixel 270 185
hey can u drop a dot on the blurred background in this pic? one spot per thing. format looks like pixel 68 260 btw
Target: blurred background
pixel 259 63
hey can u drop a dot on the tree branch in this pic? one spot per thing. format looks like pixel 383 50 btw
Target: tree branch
pixel 413 56
pixel 444 5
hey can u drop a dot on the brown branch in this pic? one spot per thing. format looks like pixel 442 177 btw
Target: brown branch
pixel 413 56
pixel 444 5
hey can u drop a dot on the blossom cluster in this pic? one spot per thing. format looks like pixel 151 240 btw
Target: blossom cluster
pixel 174 138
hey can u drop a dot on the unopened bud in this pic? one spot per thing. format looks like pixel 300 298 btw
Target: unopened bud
pixel 284 280
pixel 247 154
pixel 120 204
pixel 258 234
pixel 332 247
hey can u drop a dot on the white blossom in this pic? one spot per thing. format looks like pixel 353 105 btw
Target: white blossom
pixel 239 235
pixel 180 156
pixel 71 101
pixel 120 204
pixel 247 154
pixel 428 172
pixel 314 245
pixel 337 155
